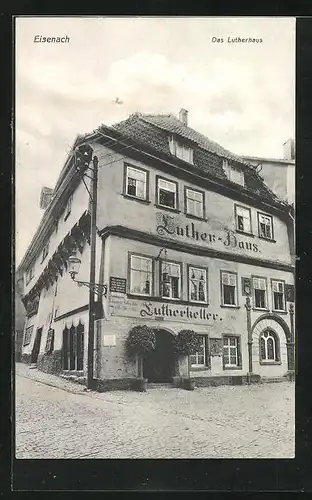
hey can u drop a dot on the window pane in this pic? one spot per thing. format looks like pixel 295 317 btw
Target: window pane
pixel 270 348
pixel 136 174
pixel 260 298
pixel 226 358
pixel 201 360
pixel 232 341
pixel 175 287
pixel 167 185
pixel 233 359
pixel 229 294
pixel 278 301
pixel 167 198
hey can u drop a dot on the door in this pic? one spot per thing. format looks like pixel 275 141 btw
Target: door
pixel 158 365
pixel 36 348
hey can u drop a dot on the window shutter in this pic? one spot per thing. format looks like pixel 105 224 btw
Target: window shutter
pixel 239 353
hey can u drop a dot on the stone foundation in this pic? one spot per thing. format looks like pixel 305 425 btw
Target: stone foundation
pixel 50 363
pixel 114 384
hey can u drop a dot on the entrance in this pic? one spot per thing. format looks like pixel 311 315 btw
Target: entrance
pixel 36 348
pixel 158 365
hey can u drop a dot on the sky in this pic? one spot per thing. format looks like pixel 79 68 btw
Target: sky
pixel 238 94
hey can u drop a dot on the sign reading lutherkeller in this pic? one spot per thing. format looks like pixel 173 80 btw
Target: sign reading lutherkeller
pixel 117 284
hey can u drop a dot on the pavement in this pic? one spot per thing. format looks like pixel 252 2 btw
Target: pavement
pixel 56 418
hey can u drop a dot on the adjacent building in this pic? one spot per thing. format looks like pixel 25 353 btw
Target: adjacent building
pixel 189 236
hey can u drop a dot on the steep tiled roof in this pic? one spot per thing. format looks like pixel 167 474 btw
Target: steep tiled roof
pixel 153 130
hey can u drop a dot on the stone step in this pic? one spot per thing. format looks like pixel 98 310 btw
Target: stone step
pixel 156 385
pixel 268 380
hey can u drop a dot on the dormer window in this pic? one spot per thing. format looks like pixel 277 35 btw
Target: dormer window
pixel 181 150
pixel 234 174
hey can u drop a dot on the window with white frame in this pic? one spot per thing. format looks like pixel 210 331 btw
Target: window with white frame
pixel 194 201
pixel 229 288
pixel 269 347
pixel 170 280
pixel 278 293
pixel 28 335
pixel 68 207
pixel 199 359
pixel 136 182
pixel 265 226
pixel 141 275
pixel 181 150
pixel 243 219
pixel 197 284
pixel 259 286
pixel 234 174
pixel 231 354
pixel 166 193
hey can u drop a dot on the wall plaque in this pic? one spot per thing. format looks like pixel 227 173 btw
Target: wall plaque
pixel 109 340
pixel 118 284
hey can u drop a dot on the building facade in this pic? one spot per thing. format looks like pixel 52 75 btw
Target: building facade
pixel 188 237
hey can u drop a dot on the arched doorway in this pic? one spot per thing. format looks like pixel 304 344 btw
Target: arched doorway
pixel 158 365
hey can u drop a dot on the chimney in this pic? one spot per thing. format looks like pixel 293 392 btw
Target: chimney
pixel 45 197
pixel 183 116
pixel 289 149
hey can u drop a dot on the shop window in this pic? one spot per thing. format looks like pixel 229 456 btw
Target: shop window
pixel 278 295
pixel 73 348
pixel 181 150
pixel 259 286
pixel 229 288
pixel 265 223
pixel 231 352
pixel 170 280
pixel 141 275
pixel 243 219
pixel 136 182
pixel 194 203
pixel 269 347
pixel 167 193
pixel 198 285
pixel 28 335
pixel 200 359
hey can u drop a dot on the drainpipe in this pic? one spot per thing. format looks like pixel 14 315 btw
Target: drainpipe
pixel 249 336
pixel 290 344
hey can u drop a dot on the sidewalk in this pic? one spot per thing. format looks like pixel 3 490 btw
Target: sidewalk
pixel 24 370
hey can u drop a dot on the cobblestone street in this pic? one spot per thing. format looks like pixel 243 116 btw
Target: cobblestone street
pixel 61 420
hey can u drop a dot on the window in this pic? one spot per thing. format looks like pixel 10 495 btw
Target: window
pixel 265 226
pixel 141 275
pixel 73 348
pixel 197 284
pixel 231 352
pixel 45 252
pixel 259 293
pixel 200 359
pixel 68 207
pixel 170 280
pixel 269 347
pixel 234 174
pixel 167 193
pixel 136 182
pixel 29 275
pixel 181 150
pixel 278 292
pixel 56 226
pixel 229 288
pixel 194 203
pixel 243 219
pixel 28 335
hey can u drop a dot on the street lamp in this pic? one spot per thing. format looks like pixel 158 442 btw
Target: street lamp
pixel 73 269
